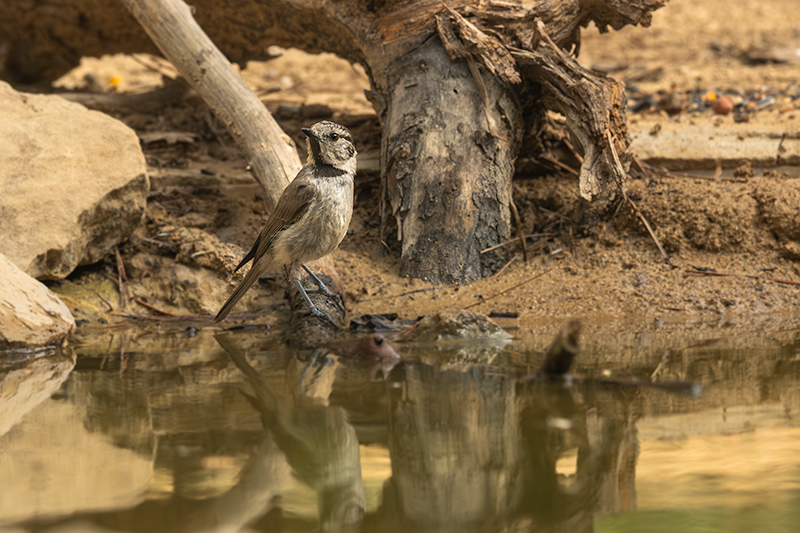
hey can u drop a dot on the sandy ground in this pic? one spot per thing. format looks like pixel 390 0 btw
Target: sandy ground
pixel 612 276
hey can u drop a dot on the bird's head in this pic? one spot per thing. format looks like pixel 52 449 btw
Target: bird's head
pixel 330 143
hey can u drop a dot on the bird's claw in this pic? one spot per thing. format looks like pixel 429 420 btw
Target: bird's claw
pixel 336 298
pixel 323 289
pixel 314 311
pixel 321 361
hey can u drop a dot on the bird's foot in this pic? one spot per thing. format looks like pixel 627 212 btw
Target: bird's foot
pixel 323 289
pixel 336 298
pixel 314 311
pixel 319 361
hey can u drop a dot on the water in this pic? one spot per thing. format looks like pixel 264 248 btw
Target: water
pixel 157 429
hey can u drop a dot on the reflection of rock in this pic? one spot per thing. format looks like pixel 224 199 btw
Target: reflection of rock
pixel 28 384
pixel 463 338
pixel 56 467
pixel 74 183
pixel 455 326
pixel 30 315
pixel 171 385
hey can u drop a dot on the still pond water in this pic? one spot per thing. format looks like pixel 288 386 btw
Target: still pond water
pixel 161 430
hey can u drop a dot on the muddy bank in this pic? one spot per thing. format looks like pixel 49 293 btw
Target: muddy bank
pixel 179 262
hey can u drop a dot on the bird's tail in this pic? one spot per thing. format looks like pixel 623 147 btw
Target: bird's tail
pixel 248 281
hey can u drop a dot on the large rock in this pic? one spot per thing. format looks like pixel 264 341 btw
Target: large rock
pixel 30 315
pixel 73 183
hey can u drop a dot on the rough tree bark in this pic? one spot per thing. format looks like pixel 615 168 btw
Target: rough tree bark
pixel 445 87
pixel 448 160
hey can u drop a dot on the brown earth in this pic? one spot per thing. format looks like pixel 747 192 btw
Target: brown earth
pixel 612 276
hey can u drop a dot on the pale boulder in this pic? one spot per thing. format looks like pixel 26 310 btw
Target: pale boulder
pixel 30 315
pixel 73 183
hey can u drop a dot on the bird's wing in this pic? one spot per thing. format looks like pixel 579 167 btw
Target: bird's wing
pixel 292 205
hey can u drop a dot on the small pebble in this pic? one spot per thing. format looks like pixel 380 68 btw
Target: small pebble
pixel 723 105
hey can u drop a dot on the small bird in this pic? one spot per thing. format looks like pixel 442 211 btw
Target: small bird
pixel 312 215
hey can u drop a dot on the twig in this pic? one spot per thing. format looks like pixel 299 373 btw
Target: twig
pixel 556 213
pixel 476 75
pixel 158 69
pixel 695 272
pixel 668 174
pixel 782 281
pixel 122 281
pixel 110 307
pixel 662 364
pixel 496 274
pixel 559 164
pixel 209 119
pixel 645 170
pixel 181 318
pixel 515 239
pixel 781 150
pixel 518 223
pixel 108 350
pixel 509 289
pixel 611 145
pixel 649 229
pixel 123 356
pixel 153 308
pixel 398 295
pixel 572 149
pixel 153 241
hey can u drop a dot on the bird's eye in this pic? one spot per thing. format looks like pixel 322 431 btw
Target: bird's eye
pixel 379 340
pixel 334 136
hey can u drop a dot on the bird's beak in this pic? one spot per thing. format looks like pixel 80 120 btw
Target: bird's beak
pixel 314 149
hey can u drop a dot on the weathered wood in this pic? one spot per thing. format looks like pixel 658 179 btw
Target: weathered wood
pixel 448 179
pixel 594 107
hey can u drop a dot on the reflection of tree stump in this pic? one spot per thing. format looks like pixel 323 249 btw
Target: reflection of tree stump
pixel 451 125
pixel 455 450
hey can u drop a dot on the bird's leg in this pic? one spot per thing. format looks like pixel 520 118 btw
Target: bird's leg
pixel 325 290
pixel 318 358
pixel 312 309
